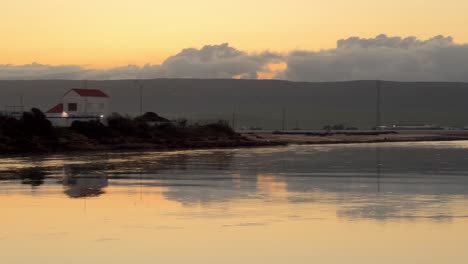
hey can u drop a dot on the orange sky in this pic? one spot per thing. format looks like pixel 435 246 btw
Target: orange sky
pixel 109 33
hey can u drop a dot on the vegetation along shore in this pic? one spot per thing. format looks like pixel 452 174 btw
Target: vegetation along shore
pixel 33 133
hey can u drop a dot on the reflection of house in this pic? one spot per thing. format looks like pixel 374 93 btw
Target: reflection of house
pixel 79 104
pixel 83 185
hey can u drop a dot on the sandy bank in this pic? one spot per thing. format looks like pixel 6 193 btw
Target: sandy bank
pixel 355 137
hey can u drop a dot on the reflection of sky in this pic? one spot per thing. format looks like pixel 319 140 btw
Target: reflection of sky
pixel 297 204
pixel 420 180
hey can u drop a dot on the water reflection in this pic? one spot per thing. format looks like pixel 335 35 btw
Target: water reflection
pixel 375 181
pixel 32 176
pixel 331 204
pixel 81 183
pixel 378 165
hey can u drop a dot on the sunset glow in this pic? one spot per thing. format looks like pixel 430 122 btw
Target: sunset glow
pixel 102 34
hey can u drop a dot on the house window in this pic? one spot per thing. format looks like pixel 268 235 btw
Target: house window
pixel 101 106
pixel 72 107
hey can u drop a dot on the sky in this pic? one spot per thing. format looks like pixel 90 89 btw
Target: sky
pixel 110 34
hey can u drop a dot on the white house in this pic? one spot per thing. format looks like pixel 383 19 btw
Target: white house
pixel 79 104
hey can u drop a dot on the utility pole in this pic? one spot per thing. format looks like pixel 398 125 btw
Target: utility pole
pixel 378 110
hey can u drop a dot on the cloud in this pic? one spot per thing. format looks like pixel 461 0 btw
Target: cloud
pixel 211 61
pixel 148 71
pixel 382 57
pixel 218 61
pixel 40 71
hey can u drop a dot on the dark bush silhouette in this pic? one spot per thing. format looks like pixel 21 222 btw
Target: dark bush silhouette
pixel 31 124
pixel 126 126
pixel 339 127
pixel 221 127
pixel 33 132
pixel 152 117
pixel 167 130
pixel 123 124
pixel 181 123
pixel 92 129
pixel 36 123
pixel 11 127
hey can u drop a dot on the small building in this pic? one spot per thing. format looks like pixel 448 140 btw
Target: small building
pixel 79 104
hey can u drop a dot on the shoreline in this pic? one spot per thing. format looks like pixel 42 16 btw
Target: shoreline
pixel 253 140
pixel 357 137
pixel 33 134
pixel 144 147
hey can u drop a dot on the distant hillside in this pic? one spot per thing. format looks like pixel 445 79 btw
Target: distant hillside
pixel 260 102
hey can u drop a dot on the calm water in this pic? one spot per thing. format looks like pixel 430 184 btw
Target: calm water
pixel 376 203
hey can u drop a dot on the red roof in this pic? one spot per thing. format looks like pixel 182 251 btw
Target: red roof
pixel 89 92
pixel 58 109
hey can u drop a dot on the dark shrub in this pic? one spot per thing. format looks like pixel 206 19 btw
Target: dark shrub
pixel 35 123
pixel 31 124
pixel 122 124
pixel 220 127
pixel 141 129
pixel 92 129
pixel 339 127
pixel 181 123
pixel 12 127
pixel 127 126
pixel 166 128
pixel 153 117
pixel 38 114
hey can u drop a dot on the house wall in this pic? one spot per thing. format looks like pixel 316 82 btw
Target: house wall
pixel 94 106
pixel 73 97
pixel 58 121
pixel 98 105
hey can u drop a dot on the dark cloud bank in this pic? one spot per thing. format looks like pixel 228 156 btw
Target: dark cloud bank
pixel 382 57
pixel 387 58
